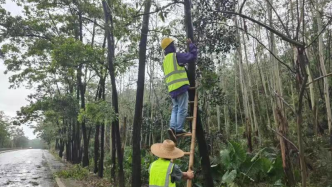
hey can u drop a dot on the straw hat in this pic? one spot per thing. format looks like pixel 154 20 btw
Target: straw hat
pixel 167 150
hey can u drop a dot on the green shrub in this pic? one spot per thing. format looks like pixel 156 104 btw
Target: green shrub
pixel 235 167
pixel 75 172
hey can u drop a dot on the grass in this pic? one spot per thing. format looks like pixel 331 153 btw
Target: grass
pixel 76 172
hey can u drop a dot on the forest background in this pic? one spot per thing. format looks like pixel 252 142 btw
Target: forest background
pixel 263 72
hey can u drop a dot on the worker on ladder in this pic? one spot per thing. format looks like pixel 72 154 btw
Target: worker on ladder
pixel 177 82
pixel 163 172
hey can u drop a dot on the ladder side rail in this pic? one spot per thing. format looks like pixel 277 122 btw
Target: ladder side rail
pixel 193 138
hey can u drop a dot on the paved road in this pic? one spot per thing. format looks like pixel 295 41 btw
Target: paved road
pixel 27 168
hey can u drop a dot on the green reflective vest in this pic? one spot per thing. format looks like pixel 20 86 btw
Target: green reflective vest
pixel 175 75
pixel 160 173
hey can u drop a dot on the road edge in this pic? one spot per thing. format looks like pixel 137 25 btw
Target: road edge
pixel 58 181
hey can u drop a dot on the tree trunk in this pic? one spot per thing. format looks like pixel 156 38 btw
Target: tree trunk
pixel 124 134
pixel 253 111
pixel 81 93
pixel 136 163
pixel 301 66
pixel 96 143
pixel 110 58
pixel 278 107
pixel 264 128
pixel 218 118
pixel 203 150
pixel 113 155
pixel 312 97
pixel 235 103
pixel 96 149
pixel 61 148
pixel 102 151
pixel 84 130
pixel 323 69
pixel 69 143
pixel 244 90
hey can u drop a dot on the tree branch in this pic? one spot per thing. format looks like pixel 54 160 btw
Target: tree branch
pixel 281 35
pixel 93 21
pixel 158 9
pixel 283 100
pixel 175 36
pixel 244 1
pixel 318 78
pixel 282 23
pixel 321 32
pixel 56 28
pixel 283 63
pixel 35 36
pixel 286 139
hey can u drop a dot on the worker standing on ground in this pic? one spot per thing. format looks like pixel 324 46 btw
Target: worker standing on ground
pixel 163 172
pixel 177 82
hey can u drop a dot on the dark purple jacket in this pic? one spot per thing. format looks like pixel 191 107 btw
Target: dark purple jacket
pixel 183 59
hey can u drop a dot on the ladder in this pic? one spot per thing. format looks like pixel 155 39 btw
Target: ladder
pixel 193 119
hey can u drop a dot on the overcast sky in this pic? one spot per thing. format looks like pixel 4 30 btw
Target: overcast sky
pixel 11 100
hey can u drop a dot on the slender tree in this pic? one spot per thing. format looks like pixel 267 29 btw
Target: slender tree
pixel 110 58
pixel 136 162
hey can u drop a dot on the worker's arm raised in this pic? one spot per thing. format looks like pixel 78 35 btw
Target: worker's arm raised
pixel 190 57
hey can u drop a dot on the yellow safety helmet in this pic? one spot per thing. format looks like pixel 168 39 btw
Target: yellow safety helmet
pixel 165 42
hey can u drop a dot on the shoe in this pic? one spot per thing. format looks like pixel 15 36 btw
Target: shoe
pixel 180 132
pixel 171 133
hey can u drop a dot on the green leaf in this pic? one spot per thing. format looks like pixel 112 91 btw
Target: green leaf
pixel 229 176
pixel 265 164
pixel 278 183
pixel 225 158
pixel 161 15
pixel 239 152
pixel 257 154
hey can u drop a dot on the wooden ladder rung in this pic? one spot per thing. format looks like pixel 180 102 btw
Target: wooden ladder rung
pixel 190 118
pixel 184 134
pixel 191 102
pixel 192 88
pixel 186 153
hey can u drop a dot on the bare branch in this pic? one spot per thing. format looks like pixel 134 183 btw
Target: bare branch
pixel 93 21
pixel 283 100
pixel 56 28
pixel 282 23
pixel 242 6
pixel 321 32
pixel 285 139
pixel 318 78
pixel 281 35
pixel 283 63
pixel 175 36
pixel 278 59
pixel 158 9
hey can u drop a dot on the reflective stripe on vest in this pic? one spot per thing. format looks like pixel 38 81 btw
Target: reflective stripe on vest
pixel 160 172
pixel 175 75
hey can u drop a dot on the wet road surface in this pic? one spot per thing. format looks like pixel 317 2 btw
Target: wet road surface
pixel 28 168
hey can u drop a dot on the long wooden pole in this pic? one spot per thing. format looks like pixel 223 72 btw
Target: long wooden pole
pixel 193 139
